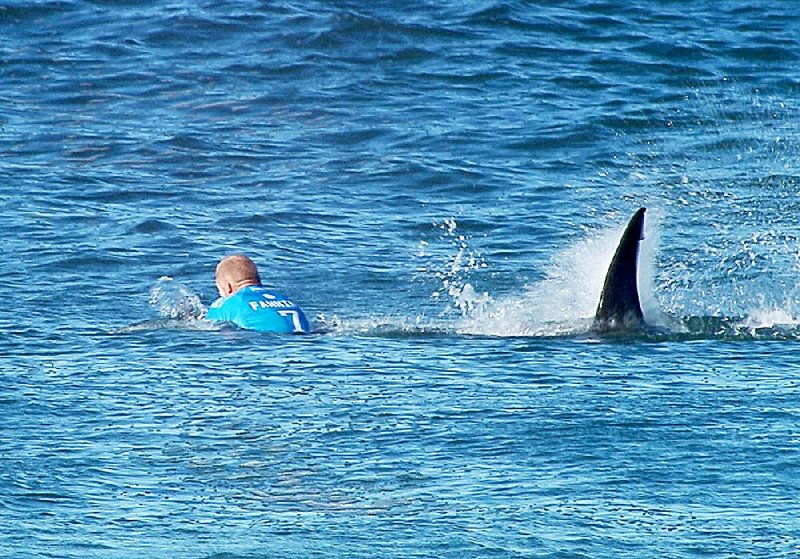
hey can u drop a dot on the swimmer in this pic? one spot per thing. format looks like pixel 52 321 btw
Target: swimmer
pixel 245 302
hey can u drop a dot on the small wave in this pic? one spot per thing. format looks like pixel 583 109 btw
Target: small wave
pixel 22 12
pixel 152 226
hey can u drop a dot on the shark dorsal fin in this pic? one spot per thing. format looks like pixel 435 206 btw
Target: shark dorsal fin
pixel 619 307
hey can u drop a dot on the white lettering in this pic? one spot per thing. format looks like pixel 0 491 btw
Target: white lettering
pixel 284 304
pixel 298 328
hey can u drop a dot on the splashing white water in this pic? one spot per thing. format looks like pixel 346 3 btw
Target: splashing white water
pixel 397 326
pixel 174 300
pixel 566 300
pixel 454 269
pixel 769 317
pixel 448 261
pixel 562 304
pixel 177 307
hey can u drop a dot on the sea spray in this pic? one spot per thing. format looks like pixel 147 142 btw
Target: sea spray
pixel 174 300
pixel 652 306
pixel 565 301
pixel 178 308
pixel 452 268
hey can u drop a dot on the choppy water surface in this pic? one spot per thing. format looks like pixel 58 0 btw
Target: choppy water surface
pixel 441 186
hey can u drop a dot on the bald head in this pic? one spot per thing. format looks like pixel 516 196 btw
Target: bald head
pixel 235 272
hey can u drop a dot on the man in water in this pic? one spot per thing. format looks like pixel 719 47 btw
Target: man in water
pixel 246 303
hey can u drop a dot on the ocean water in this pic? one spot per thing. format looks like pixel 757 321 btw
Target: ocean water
pixel 441 186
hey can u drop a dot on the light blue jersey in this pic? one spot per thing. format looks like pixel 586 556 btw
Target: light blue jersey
pixel 258 308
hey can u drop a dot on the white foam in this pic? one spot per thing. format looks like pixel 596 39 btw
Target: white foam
pixel 173 300
pixel 769 317
pixel 563 303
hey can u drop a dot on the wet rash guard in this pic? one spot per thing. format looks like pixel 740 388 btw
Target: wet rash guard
pixel 258 308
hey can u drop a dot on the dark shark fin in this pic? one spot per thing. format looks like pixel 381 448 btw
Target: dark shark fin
pixel 619 307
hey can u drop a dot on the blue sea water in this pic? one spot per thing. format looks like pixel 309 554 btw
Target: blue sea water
pixel 441 186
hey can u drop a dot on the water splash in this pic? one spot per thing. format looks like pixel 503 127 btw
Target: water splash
pixel 770 317
pixel 453 269
pixel 564 303
pixel 177 307
pixel 445 264
pixel 173 300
